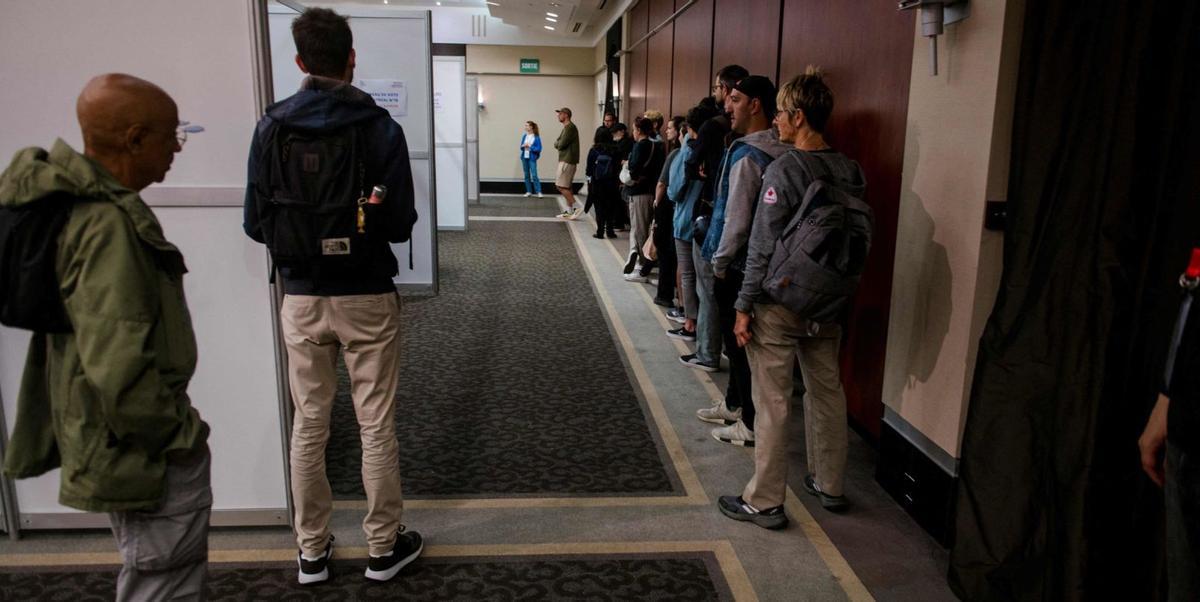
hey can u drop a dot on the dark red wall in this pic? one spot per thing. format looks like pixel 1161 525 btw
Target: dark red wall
pixel 866 49
pixel 658 69
pixel 635 63
pixel 747 34
pixel 691 76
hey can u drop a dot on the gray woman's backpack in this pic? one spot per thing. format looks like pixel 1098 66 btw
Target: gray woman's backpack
pixel 819 258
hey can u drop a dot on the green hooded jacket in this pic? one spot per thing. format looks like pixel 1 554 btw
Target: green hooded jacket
pixel 107 402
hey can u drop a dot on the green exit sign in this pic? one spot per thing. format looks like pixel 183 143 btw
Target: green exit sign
pixel 530 65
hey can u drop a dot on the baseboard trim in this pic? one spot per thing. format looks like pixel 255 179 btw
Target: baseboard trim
pixel 518 187
pixel 919 483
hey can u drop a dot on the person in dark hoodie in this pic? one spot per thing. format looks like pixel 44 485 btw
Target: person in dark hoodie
pixel 775 337
pixel 343 297
pixel 752 104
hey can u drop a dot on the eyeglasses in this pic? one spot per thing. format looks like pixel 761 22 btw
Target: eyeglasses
pixel 183 129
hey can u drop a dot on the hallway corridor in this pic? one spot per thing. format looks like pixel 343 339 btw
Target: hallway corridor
pixel 549 451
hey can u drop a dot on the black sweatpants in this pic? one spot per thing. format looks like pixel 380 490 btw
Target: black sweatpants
pixel 664 242
pixel 738 394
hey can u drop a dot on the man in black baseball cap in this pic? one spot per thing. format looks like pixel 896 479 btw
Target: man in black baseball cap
pixel 751 104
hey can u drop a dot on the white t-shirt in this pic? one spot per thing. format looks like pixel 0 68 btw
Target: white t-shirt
pixel 526 142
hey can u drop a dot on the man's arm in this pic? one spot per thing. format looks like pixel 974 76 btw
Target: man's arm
pixel 745 184
pixel 251 223
pixel 111 293
pixel 1154 439
pixel 399 208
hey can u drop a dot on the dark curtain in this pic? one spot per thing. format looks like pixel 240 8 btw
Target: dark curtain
pixel 1104 201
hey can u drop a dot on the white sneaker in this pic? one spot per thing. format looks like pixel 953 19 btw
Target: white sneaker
pixel 634 277
pixel 527 195
pixel 719 414
pixel 568 214
pixel 735 434
pixel 539 195
pixel 575 213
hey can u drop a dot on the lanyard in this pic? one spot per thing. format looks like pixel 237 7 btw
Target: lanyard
pixel 1188 281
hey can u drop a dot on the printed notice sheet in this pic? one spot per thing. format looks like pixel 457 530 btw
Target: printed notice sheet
pixel 391 94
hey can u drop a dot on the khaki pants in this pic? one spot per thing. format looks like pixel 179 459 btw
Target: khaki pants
pixel 368 327
pixel 164 553
pixel 778 336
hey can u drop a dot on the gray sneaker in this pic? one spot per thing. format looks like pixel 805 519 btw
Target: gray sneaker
pixel 832 503
pixel 719 414
pixel 735 434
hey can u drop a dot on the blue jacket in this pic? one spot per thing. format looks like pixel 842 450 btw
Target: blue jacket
pixel 324 105
pixel 535 150
pixel 737 151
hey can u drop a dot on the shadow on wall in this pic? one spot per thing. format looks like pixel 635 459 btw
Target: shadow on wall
pixel 922 292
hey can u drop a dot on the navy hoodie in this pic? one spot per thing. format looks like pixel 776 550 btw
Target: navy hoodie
pixel 325 105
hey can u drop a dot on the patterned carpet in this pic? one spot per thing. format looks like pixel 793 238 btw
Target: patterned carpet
pixel 506 206
pixel 642 577
pixel 488 404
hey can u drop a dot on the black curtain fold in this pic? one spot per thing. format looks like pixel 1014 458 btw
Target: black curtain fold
pixel 1104 205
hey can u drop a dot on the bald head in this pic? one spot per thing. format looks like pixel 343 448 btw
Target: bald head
pixel 128 125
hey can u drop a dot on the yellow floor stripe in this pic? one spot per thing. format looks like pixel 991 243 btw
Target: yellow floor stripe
pixel 533 502
pixel 683 466
pixel 824 546
pixel 727 560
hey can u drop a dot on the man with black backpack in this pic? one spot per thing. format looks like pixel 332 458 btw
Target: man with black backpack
pixel 329 189
pixel 807 248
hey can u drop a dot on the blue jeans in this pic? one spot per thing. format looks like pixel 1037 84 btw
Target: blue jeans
pixel 532 184
pixel 708 321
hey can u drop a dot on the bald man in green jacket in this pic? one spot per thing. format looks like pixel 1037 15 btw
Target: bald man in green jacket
pixel 108 401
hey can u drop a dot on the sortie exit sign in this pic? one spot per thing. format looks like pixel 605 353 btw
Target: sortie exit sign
pixel 531 65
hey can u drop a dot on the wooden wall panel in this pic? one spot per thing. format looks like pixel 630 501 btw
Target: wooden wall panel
pixel 866 49
pixel 691 75
pixel 747 33
pixel 635 63
pixel 658 63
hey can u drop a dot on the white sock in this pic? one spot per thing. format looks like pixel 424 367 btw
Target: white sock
pixel 382 555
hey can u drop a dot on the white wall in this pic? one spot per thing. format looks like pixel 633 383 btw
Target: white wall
pixel 513 99
pixel 947 266
pixel 450 140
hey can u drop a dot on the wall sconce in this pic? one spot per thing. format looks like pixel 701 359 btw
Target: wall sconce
pixel 935 14
pixel 479 98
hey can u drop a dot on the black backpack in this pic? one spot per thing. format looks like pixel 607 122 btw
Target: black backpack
pixel 312 187
pixel 29 290
pixel 821 254
pixel 603 170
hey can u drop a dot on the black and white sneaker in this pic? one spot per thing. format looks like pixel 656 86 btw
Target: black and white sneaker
pixel 682 333
pixel 736 508
pixel 676 315
pixel 692 361
pixel 407 548
pixel 315 571
pixel 630 263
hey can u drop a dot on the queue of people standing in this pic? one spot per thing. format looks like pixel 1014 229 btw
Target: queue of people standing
pixel 709 199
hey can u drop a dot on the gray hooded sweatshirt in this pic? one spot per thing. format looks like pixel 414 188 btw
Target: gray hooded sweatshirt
pixel 745 184
pixel 783 188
